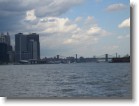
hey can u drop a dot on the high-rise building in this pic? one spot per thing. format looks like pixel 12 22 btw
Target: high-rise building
pixel 4 58
pixel 33 45
pixel 27 46
pixel 21 52
pixel 6 40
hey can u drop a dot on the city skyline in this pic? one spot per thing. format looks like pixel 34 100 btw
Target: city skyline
pixel 84 27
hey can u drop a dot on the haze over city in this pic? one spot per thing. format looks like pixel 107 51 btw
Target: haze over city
pixel 69 27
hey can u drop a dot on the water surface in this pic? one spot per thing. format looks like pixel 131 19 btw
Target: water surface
pixel 95 80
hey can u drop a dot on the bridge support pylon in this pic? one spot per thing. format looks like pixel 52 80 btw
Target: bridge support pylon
pixel 106 57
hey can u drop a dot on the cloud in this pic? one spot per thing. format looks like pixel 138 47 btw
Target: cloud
pixel 123 37
pixel 56 7
pixel 13 12
pixel 89 20
pixel 30 15
pixel 84 36
pixel 68 41
pixel 115 7
pixel 56 33
pixel 97 31
pixel 57 25
pixel 125 24
pixel 78 19
pixel 110 48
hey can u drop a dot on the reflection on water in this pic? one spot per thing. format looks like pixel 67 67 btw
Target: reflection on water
pixel 66 80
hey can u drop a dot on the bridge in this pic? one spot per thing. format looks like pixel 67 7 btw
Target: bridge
pixel 104 57
pixel 76 58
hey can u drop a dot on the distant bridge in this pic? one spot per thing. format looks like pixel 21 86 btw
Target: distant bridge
pixel 104 57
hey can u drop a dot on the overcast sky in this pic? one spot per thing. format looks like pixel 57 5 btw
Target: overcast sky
pixel 68 27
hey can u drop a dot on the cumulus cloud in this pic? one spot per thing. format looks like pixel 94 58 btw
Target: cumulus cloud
pixel 12 12
pixel 97 31
pixel 125 24
pixel 87 35
pixel 63 30
pixel 116 7
pixel 56 25
pixel 30 15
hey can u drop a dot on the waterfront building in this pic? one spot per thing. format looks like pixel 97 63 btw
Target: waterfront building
pixel 33 46
pixel 6 40
pixel 27 47
pixel 20 47
pixel 4 58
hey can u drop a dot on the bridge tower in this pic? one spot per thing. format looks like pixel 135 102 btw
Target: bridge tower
pixel 76 57
pixel 106 57
pixel 116 55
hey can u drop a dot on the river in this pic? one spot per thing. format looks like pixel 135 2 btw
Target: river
pixel 93 80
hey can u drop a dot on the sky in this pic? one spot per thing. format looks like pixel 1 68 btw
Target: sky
pixel 68 27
